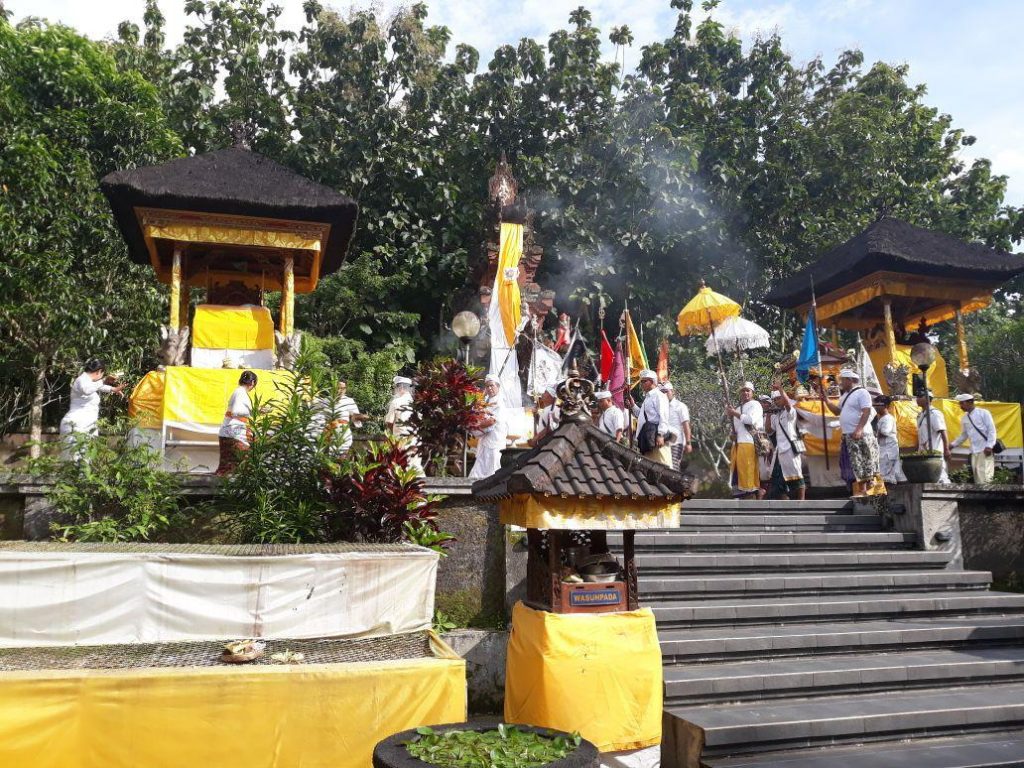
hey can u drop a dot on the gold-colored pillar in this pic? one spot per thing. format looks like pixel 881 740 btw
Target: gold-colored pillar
pixel 185 302
pixel 890 332
pixel 961 338
pixel 176 288
pixel 835 337
pixel 288 296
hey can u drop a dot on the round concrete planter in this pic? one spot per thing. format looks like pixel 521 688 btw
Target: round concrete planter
pixel 391 753
pixel 922 469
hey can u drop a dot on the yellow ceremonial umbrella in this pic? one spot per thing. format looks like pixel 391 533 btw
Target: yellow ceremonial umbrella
pixel 703 312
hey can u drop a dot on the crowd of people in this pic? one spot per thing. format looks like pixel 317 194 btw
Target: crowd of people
pixel 768 447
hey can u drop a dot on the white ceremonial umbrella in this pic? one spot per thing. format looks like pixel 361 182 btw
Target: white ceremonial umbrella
pixel 736 334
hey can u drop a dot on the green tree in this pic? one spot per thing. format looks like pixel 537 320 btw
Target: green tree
pixel 68 116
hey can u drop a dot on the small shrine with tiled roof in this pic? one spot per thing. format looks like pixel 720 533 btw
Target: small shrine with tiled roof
pixel 576 484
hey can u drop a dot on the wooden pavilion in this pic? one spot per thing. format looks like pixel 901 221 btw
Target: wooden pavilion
pixel 894 280
pixel 233 222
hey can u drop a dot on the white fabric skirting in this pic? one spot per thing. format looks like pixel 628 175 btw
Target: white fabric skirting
pixel 73 597
pixel 260 359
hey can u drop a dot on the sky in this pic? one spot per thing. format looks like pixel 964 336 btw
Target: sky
pixel 970 54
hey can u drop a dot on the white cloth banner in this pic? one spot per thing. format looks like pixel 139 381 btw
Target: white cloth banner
pixel 73 597
pixel 258 359
pixel 545 370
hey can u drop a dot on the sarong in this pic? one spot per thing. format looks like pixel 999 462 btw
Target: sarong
pixel 229 454
pixel 864 465
pixel 744 469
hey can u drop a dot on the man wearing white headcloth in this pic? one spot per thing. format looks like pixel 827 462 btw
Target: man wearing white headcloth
pixel 610 418
pixel 492 433
pixel 859 458
pixel 678 424
pixel 549 416
pixel 937 433
pixel 397 419
pixel 652 433
pixel 978 427
pixel 747 422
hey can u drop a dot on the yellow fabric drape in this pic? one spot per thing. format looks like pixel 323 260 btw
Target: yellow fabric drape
pixel 197 396
pixel 888 284
pixel 208 233
pixel 635 351
pixel 554 512
pixel 223 327
pixel 599 674
pixel 147 401
pixel 508 298
pixel 316 716
pixel 937 381
pixel 1007 417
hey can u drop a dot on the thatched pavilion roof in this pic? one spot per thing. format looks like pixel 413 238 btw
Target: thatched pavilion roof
pixel 892 245
pixel 233 181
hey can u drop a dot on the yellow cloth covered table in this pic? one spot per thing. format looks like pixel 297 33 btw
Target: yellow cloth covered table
pixel 225 327
pixel 314 716
pixel 554 512
pixel 599 674
pixel 195 398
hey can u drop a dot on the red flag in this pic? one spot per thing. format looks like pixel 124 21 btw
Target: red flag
pixel 607 357
pixel 663 361
pixel 617 377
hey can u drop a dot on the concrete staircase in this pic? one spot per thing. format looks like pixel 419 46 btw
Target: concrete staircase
pixel 800 634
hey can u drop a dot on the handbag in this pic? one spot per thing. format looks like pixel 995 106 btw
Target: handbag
pixel 647 437
pixel 999 446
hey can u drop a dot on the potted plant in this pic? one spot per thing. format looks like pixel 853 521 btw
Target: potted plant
pixel 922 466
pixel 466 745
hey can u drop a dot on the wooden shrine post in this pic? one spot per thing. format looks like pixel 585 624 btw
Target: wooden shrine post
pixel 287 319
pixel 890 332
pixel 961 338
pixel 175 299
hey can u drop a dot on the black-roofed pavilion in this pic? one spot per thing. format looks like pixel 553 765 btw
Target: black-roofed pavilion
pixel 231 218
pixel 896 275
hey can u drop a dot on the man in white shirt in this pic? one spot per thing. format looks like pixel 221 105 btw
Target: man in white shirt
pixel 84 413
pixel 678 424
pixel 747 421
pixel 936 438
pixel 397 419
pixel 859 460
pixel 337 418
pixel 610 419
pixel 652 420
pixel 549 416
pixel 493 432
pixel 978 426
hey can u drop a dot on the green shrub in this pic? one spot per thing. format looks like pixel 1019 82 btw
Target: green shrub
pixel 113 490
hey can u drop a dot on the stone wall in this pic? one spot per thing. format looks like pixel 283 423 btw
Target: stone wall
pixel 982 525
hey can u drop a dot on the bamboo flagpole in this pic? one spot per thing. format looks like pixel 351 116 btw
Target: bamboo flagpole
pixel 821 375
pixel 721 366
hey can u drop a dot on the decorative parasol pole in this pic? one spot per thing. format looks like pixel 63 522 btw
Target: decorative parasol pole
pixel 821 375
pixel 718 352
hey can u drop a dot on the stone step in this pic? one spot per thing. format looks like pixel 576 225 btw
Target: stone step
pixel 730 729
pixel 830 675
pixel 675 540
pixel 764 563
pixel 713 523
pixel 687 646
pixel 813 506
pixel 657 590
pixel 986 750
pixel 732 611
